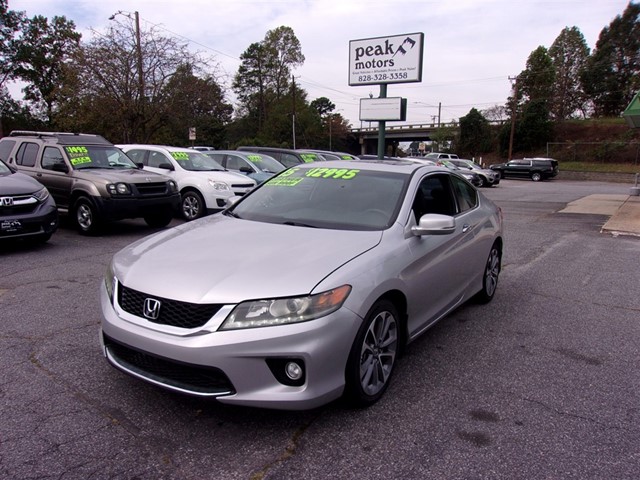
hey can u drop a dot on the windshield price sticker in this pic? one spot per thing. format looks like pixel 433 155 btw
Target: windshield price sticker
pixel 341 173
pixel 309 157
pixel 254 158
pixel 180 155
pixel 284 182
pixel 78 155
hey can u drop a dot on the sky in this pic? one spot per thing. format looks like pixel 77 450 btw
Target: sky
pixel 471 47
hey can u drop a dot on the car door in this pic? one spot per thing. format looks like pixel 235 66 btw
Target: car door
pixel 439 267
pixel 55 174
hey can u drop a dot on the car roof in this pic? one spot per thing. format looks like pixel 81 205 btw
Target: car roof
pixel 386 165
pixel 63 138
pixel 168 148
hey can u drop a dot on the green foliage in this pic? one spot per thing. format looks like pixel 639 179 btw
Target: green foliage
pixel 11 24
pixel 40 59
pixel 612 73
pixel 475 134
pixel 323 105
pixel 569 54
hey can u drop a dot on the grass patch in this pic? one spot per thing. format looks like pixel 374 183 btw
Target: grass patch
pixel 599 167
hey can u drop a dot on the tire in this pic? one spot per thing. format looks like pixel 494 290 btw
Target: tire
pixel 373 355
pixel 86 216
pixel 484 182
pixel 192 205
pixel 159 220
pixel 490 276
pixel 536 177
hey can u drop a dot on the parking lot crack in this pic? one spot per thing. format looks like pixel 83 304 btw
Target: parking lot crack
pixel 289 451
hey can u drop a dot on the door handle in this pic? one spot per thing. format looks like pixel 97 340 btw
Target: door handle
pixel 465 228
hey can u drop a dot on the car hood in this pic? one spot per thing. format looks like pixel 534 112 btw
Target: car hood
pixel 18 184
pixel 221 259
pixel 110 175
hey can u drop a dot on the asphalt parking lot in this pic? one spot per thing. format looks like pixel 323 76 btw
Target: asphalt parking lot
pixel 542 383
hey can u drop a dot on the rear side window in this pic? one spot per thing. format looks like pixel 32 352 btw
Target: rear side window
pixel 6 146
pixel 26 154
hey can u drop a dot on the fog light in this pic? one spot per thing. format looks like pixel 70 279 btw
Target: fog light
pixel 288 371
pixel 293 371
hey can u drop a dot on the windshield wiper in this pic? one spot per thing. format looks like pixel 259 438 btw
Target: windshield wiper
pixel 229 213
pixel 298 224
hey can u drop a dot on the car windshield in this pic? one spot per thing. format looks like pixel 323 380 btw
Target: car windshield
pixel 343 199
pixel 4 170
pixel 91 156
pixel 196 161
pixel 264 163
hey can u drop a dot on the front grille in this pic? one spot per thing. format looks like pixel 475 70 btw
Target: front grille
pixel 242 185
pixel 172 312
pixel 151 189
pixel 21 205
pixel 188 378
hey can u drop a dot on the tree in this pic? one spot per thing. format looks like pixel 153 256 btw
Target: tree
pixel 475 134
pixel 11 24
pixel 323 105
pixel 104 86
pixel 569 54
pixel 262 80
pixel 537 79
pixel 612 73
pixel 43 51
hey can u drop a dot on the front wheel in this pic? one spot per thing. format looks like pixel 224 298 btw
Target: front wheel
pixel 490 276
pixel 536 177
pixel 373 355
pixel 192 205
pixel 86 216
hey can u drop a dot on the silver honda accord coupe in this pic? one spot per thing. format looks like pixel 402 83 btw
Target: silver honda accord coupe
pixel 305 290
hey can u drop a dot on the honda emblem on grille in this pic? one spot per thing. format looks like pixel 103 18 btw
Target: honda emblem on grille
pixel 151 308
pixel 6 201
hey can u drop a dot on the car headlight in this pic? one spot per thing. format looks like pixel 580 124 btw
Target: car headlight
pixel 218 185
pixel 42 195
pixel 110 281
pixel 283 311
pixel 119 189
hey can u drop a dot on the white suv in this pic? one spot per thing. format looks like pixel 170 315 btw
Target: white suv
pixel 204 184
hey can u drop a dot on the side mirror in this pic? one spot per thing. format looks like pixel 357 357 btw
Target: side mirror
pixel 140 165
pixel 246 170
pixel 434 224
pixel 60 167
pixel 166 166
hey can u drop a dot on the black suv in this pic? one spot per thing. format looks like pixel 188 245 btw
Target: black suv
pixel 91 179
pixel 26 208
pixel 534 168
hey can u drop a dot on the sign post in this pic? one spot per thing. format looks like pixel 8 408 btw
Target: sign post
pixel 384 60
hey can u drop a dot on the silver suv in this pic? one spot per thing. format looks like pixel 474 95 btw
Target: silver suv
pixel 91 179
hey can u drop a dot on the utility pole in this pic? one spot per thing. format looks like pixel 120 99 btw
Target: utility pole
pixel 141 89
pixel 513 114
pixel 293 85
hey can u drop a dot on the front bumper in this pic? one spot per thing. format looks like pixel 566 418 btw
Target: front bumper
pixel 119 208
pixel 236 363
pixel 43 220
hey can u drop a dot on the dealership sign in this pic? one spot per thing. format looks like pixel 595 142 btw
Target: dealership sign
pixel 396 59
pixel 383 109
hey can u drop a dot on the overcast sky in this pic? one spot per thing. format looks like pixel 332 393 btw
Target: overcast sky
pixel 471 47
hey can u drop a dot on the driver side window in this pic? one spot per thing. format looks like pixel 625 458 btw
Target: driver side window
pixel 433 196
pixel 51 157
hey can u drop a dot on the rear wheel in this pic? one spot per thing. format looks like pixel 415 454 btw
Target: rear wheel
pixel 192 205
pixel 86 216
pixel 490 276
pixel 536 177
pixel 373 354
